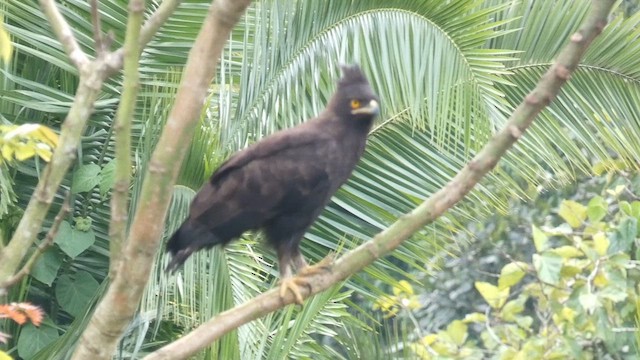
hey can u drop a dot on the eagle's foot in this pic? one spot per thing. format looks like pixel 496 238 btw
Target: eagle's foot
pixel 321 266
pixel 293 284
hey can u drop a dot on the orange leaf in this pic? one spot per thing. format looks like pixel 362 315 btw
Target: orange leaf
pixel 20 312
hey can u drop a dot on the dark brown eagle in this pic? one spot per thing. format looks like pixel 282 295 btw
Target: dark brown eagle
pixel 282 183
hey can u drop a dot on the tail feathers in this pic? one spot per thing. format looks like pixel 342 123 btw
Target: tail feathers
pixel 187 240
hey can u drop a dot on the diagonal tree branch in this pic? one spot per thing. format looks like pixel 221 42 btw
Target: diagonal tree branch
pixel 119 304
pixel 389 239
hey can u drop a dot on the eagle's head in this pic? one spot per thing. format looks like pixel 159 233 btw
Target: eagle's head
pixel 354 98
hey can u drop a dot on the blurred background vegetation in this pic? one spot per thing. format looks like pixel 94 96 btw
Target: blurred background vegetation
pixel 448 73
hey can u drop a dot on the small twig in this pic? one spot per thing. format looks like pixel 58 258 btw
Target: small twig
pixel 149 29
pixel 64 33
pixel 625 329
pixel 490 331
pixel 97 29
pixel 44 245
pixel 594 273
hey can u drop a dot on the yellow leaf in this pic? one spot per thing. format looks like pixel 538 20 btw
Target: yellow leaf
pixel 475 318
pixel 429 339
pixel 403 287
pixel 601 243
pixel 44 152
pixel 491 294
pixel 6 48
pixel 568 314
pixel 539 238
pixel 24 152
pixel 46 135
pixel 600 280
pixel 511 274
pixel 5 356
pixel 573 213
pixel 457 330
pixel 616 191
pixel 7 152
pixel 568 252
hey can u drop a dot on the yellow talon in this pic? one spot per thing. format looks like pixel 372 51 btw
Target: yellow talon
pixel 319 267
pixel 292 284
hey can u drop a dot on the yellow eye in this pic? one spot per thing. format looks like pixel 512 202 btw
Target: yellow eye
pixel 355 104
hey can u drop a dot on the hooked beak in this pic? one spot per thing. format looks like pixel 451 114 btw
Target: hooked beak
pixel 372 108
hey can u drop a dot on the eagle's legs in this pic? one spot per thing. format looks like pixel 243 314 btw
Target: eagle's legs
pixel 287 280
pixel 305 269
pixel 293 283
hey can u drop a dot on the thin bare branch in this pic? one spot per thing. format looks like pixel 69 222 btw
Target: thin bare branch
pixel 63 33
pixel 122 128
pixel 97 28
pixel 149 29
pixel 48 241
pixel 119 304
pixel 389 239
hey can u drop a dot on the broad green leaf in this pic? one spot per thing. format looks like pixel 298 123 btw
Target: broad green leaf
pixel 624 236
pixel 46 267
pixel 600 243
pixel 540 238
pixel 457 330
pixel 74 294
pixel 613 293
pixel 32 339
pixel 492 294
pixel 73 241
pixel 511 274
pixel 107 176
pixel 573 213
pixel 635 209
pixel 625 207
pixel 85 178
pixel 512 308
pixel 548 265
pixel 524 321
pixel 597 209
pixel 589 302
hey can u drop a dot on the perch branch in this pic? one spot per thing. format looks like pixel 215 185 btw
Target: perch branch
pixel 119 304
pixel 383 243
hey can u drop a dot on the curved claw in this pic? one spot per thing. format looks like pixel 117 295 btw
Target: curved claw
pixel 292 283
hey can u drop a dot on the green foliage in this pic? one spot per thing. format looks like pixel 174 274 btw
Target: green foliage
pixel 74 241
pixel 581 284
pixel 447 74
pixel 33 339
pixel 74 295
pixel 46 267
